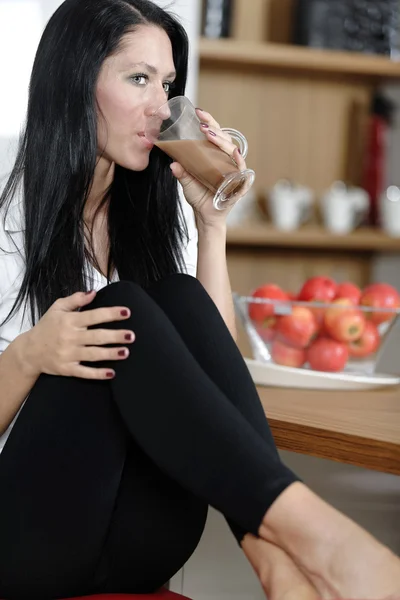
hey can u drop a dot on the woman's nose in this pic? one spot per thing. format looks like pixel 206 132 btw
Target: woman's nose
pixel 164 111
pixel 159 105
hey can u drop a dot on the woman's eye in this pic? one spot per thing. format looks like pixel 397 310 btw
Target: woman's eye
pixel 139 79
pixel 142 79
pixel 168 86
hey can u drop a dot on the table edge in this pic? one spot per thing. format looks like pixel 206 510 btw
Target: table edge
pixel 360 451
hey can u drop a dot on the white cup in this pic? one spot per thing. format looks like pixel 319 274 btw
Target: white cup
pixel 344 208
pixel 244 211
pixel 289 205
pixel 389 211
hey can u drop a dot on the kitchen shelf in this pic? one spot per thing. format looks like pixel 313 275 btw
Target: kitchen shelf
pixel 281 56
pixel 264 235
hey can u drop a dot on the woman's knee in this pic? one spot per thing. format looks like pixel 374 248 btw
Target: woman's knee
pixel 121 288
pixel 178 285
pixel 121 293
pixel 128 293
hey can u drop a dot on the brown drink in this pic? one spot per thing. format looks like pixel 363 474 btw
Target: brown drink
pixel 204 161
pixel 176 129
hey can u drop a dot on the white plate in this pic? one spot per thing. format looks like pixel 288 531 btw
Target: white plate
pixel 269 374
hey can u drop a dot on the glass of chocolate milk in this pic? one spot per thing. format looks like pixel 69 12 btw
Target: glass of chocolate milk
pixel 175 129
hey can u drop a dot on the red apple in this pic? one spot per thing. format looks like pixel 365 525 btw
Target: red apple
pixel 318 289
pixel 380 295
pixel 292 296
pixel 322 332
pixel 327 355
pixel 344 323
pixel 333 311
pixel 267 330
pixel 368 343
pixel 298 328
pixel 350 291
pixel 283 354
pixel 259 313
pixel 348 326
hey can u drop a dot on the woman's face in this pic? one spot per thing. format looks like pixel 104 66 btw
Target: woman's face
pixel 132 85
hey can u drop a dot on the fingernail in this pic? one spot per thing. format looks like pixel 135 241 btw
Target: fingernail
pixel 212 133
pixel 239 151
pixel 197 108
pixel 124 313
pixel 122 353
pixel 129 337
pixel 204 125
pixel 88 293
pixel 110 374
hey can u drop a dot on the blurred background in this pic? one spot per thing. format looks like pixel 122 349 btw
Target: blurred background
pixel 314 85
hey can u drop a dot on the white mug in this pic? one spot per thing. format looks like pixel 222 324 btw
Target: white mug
pixel 344 208
pixel 289 205
pixel 244 211
pixel 389 211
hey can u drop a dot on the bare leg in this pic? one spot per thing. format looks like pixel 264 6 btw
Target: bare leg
pixel 280 578
pixel 340 558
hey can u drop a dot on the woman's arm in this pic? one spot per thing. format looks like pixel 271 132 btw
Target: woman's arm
pixel 212 271
pixel 15 382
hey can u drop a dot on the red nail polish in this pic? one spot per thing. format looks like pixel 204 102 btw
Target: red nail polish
pixel 122 353
pixel 212 133
pixel 110 374
pixel 124 313
pixel 129 337
pixel 204 125
pixel 239 151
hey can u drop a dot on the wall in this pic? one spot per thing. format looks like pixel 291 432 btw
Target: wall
pixel 188 12
pixel 20 24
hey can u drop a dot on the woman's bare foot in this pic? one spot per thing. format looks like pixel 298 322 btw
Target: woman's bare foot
pixel 340 558
pixel 279 576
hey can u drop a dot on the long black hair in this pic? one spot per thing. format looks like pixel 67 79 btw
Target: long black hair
pixel 57 157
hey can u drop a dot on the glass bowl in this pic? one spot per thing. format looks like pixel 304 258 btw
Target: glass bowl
pixel 315 335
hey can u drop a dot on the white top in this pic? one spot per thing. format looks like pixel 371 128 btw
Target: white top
pixel 12 267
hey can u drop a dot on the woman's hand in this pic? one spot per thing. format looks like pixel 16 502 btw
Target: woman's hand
pixel 197 195
pixel 61 339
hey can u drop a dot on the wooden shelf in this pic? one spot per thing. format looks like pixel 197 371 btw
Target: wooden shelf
pixel 299 58
pixel 311 236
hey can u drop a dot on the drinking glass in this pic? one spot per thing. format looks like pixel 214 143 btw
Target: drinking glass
pixel 175 129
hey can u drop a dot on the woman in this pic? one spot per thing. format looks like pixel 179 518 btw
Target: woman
pixel 126 410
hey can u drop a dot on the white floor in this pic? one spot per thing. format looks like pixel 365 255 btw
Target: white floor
pixel 218 570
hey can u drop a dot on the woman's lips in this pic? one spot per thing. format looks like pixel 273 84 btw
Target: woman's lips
pixel 149 145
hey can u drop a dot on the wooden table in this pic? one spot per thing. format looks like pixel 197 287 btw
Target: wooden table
pixel 358 428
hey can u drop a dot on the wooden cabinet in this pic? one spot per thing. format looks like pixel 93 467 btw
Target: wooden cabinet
pixel 260 253
pixel 305 114
pixel 304 111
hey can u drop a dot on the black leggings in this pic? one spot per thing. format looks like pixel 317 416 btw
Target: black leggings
pixel 104 485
